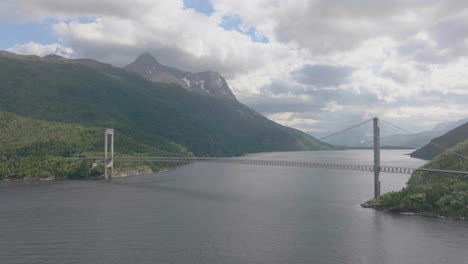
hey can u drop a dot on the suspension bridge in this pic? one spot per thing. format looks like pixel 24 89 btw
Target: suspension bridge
pixel 376 168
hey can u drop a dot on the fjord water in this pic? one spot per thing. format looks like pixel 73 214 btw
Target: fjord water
pixel 221 213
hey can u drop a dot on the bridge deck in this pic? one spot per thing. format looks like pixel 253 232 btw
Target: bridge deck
pixel 339 166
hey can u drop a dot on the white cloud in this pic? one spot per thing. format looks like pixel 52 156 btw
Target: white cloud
pixel 32 48
pixel 200 44
pixel 293 120
pixel 332 106
pixel 444 112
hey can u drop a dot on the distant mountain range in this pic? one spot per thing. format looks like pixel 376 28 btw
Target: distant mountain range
pixel 362 136
pixel 448 140
pixel 147 100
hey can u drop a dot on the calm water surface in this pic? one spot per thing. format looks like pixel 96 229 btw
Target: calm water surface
pixel 222 213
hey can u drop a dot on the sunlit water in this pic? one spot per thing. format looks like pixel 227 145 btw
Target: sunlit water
pixel 221 213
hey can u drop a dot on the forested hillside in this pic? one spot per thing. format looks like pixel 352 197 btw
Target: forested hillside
pixel 36 149
pixel 440 193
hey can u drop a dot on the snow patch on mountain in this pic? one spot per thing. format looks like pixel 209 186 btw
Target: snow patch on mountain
pixel 187 81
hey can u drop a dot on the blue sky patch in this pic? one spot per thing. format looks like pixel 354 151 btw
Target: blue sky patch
pixel 201 6
pixel 14 33
pixel 252 33
pixel 233 23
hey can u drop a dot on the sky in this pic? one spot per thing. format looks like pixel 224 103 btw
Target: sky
pixel 316 65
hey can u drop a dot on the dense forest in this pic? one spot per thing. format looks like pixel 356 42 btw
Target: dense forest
pixel 38 149
pixel 439 193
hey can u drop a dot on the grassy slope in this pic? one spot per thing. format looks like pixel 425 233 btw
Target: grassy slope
pixel 96 94
pixel 440 193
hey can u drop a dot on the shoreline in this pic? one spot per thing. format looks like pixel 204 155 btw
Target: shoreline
pixel 144 170
pixel 374 204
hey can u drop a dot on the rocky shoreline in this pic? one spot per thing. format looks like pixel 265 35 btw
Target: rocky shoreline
pixel 144 170
pixel 135 172
pixel 375 204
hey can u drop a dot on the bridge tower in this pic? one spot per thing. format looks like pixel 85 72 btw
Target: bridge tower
pixel 376 158
pixel 108 162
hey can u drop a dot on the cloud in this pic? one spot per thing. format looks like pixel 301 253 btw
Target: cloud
pixel 270 104
pixel 397 74
pixel 117 31
pixel 199 45
pixel 340 25
pixel 322 75
pixel 332 106
pixel 290 119
pixel 32 48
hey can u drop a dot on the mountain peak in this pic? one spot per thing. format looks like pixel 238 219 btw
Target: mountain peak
pixel 146 59
pixel 207 82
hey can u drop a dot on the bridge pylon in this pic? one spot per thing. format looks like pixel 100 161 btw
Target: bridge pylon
pixel 376 158
pixel 108 161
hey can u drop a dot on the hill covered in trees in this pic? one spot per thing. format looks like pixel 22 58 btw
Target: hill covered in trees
pixel 439 193
pixel 36 149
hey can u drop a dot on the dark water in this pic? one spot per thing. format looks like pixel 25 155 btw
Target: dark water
pixel 216 213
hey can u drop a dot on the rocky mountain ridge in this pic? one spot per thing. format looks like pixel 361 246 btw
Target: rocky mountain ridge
pixel 207 82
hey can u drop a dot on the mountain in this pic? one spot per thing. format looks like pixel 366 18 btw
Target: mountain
pixel 436 193
pixel 91 93
pixel 447 126
pixel 447 140
pixel 411 141
pixel 208 82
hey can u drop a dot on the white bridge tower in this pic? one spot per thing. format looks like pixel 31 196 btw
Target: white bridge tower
pixel 108 161
pixel 376 158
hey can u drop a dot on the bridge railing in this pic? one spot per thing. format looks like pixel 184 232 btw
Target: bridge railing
pixel 339 166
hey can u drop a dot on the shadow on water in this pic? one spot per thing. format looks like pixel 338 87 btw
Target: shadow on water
pixel 378 248
pixel 157 185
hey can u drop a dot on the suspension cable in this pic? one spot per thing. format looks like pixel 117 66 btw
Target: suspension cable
pixel 131 140
pixel 344 130
pixel 433 143
pixel 85 148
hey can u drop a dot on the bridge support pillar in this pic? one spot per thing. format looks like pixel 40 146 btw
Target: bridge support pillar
pixel 108 161
pixel 376 158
